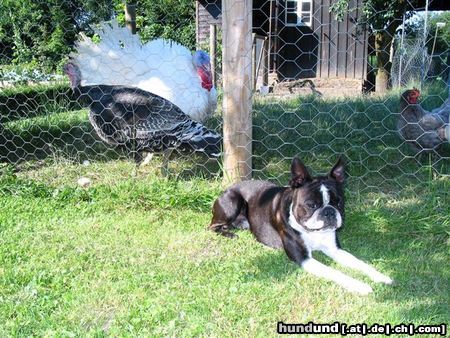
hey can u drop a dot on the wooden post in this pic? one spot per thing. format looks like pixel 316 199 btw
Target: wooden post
pixel 258 65
pixel 265 62
pixel 254 76
pixel 269 34
pixel 130 16
pixel 213 51
pixel 237 89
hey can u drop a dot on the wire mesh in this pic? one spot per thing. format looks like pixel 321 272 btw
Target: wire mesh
pixel 313 80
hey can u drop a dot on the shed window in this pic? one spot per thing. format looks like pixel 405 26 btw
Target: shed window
pixel 298 13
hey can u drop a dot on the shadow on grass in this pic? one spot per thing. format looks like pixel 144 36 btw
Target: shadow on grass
pixel 360 129
pixel 406 239
pixel 67 135
pixel 273 265
pixel 409 241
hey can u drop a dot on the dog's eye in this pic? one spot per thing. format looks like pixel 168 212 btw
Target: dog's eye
pixel 312 205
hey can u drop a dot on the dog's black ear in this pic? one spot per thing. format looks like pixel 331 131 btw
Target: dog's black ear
pixel 338 171
pixel 299 173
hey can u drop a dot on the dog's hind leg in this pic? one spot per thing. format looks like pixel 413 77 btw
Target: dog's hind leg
pixel 228 213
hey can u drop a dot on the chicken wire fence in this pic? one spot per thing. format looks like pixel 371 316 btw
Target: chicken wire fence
pixel 313 73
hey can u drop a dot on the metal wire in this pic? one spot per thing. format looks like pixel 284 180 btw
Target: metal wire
pixel 332 114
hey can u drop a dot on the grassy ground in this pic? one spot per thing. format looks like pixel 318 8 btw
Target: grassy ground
pixel 130 255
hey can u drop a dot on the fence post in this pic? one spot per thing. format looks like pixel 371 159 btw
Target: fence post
pixel 237 89
pixel 130 16
pixel 213 51
pixel 265 62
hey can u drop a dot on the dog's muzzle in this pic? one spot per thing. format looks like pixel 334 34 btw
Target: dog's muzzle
pixel 324 219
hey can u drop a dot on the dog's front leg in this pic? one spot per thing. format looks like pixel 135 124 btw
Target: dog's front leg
pixel 347 259
pixel 297 253
pixel 321 270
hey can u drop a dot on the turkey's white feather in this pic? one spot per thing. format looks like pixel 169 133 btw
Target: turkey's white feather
pixel 162 67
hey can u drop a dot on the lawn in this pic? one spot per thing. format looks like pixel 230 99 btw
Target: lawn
pixel 131 255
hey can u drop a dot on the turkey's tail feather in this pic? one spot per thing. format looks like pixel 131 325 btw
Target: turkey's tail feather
pixel 188 135
pixel 201 139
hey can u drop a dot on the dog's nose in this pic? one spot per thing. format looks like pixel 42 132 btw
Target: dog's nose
pixel 329 212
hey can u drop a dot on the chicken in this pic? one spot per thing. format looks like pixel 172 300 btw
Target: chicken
pixel 139 120
pixel 161 67
pixel 424 131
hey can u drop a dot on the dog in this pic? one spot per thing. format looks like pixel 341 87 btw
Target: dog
pixel 300 218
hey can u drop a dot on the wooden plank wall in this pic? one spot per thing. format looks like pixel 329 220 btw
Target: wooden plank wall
pixel 343 49
pixel 207 13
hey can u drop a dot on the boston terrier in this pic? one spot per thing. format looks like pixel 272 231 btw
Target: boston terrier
pixel 300 218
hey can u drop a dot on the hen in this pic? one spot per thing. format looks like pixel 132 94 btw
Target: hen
pixel 139 120
pixel 161 67
pixel 424 131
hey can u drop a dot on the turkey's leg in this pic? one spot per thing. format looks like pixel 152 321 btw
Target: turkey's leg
pixel 165 165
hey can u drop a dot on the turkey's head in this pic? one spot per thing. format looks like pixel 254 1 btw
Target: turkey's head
pixel 411 96
pixel 203 66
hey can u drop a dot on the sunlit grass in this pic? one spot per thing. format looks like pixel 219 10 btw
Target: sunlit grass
pixel 131 255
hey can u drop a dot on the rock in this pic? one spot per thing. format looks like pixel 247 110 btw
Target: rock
pixel 84 182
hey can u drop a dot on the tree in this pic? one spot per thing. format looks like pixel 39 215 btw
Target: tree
pixel 169 19
pixel 437 40
pixel 43 32
pixel 381 18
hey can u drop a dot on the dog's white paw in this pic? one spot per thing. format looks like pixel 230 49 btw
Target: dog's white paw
pixel 359 287
pixel 380 278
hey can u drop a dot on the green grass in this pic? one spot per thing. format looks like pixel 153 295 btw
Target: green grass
pixel 130 255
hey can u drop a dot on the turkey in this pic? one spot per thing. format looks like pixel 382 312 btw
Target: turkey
pixel 139 120
pixel 424 131
pixel 161 67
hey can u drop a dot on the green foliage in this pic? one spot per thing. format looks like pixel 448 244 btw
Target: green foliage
pixel 43 32
pixel 24 73
pixel 443 36
pixel 169 19
pixel 376 14
pixel 416 27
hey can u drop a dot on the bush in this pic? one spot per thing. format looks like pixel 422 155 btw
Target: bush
pixel 24 74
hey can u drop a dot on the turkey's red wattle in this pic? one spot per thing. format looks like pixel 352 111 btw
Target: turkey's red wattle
pixel 206 78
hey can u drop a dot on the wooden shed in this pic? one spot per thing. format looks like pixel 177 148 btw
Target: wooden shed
pixel 303 38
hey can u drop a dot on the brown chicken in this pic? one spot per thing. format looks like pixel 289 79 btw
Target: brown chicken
pixel 424 131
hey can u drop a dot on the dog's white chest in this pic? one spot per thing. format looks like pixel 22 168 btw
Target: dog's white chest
pixel 319 240
pixel 314 240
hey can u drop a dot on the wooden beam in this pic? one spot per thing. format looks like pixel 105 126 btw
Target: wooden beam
pixel 213 51
pixel 254 76
pixel 237 77
pixel 130 16
pixel 265 62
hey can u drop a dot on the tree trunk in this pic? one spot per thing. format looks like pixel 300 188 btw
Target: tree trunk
pixel 382 43
pixel 130 16
pixel 382 80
